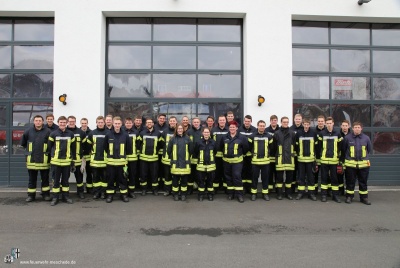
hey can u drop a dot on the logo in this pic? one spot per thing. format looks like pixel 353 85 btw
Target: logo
pixel 343 82
pixel 10 258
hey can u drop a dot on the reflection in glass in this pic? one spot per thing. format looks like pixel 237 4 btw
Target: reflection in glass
pixel 386 143
pixel 350 60
pixel 129 85
pixel 350 33
pixel 5 85
pixel 223 33
pixel 386 34
pixel 217 109
pixel 386 116
pixel 3 116
pixel 351 88
pixel 305 32
pixel 352 112
pixel 33 57
pixel 5 57
pixel 33 86
pixel 174 29
pixel 387 88
pixel 34 30
pixel 219 86
pixel 174 85
pixel 386 61
pixel 174 57
pixel 16 142
pixel 311 111
pixel 129 109
pixel 124 29
pixel 24 112
pixel 310 87
pixel 3 142
pixel 310 59
pixel 176 109
pixel 219 58
pixel 5 30
pixel 129 57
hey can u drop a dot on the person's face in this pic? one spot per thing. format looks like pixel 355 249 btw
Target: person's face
pixel 232 129
pixel 173 122
pixel 161 120
pixel 128 124
pixel 345 127
pixel 306 126
pixel 321 123
pixel 109 121
pixel 206 133
pixel 196 123
pixel 149 124
pixel 285 123
pixel 84 124
pixel 50 120
pixel 62 124
pixel 247 122
pixel 71 122
pixel 230 117
pixel 210 122
pixel 100 123
pixel 38 122
pixel 117 125
pixel 185 121
pixel 329 125
pixel 138 122
pixel 297 120
pixel 222 121
pixel 179 130
pixel 261 127
pixel 357 129
pixel 273 122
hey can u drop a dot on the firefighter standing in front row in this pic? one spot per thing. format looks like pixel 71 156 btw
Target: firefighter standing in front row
pixel 132 156
pixel 166 161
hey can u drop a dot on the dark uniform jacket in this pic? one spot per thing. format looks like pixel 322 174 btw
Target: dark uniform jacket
pixel 161 129
pixel 35 143
pixel 149 144
pixel 329 146
pixel 234 148
pixel 116 146
pixel 132 154
pixel 306 146
pixel 166 137
pixel 260 148
pixel 247 132
pixel 180 149
pixel 356 150
pixel 52 128
pixel 195 135
pixel 80 136
pixel 61 147
pixel 284 143
pixel 204 152
pixel 95 139
pixel 85 146
pixel 217 133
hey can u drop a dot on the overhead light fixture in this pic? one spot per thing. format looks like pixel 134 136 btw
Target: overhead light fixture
pixel 261 100
pixel 63 98
pixel 360 2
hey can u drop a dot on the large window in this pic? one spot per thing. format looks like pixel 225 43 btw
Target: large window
pixel 350 71
pixel 177 66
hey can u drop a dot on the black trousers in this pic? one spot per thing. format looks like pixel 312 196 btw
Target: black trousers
pixel 306 178
pixel 233 175
pixel 272 176
pixel 179 182
pixel 132 166
pixel 353 174
pixel 329 172
pixel 33 176
pixel 61 175
pixel 116 175
pixel 89 176
pixel 247 176
pixel 206 181
pixel 219 181
pixel 264 169
pixel 149 171
pixel 99 180
pixel 288 181
pixel 161 173
pixel 192 177
pixel 168 177
pixel 79 179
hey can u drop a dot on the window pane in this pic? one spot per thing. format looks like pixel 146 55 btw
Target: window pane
pixel 129 109
pixel 311 111
pixel 352 112
pixel 216 109
pixel 129 85
pixel 23 112
pixel 350 33
pixel 174 57
pixel 5 30
pixel 387 88
pixel 310 87
pixel 34 30
pixel 33 86
pixel 135 29
pixel 3 116
pixel 174 85
pixel 223 30
pixel 220 58
pixel 176 109
pixel 16 141
pixel 33 57
pixel 5 85
pixel 386 143
pixel 304 32
pixel 129 57
pixel 351 88
pixel 219 86
pixel 350 60
pixel 386 116
pixel 386 34
pixel 5 57
pixel 310 59
pixel 3 142
pixel 386 61
pixel 168 29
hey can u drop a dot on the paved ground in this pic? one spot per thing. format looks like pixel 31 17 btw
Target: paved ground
pixel 155 231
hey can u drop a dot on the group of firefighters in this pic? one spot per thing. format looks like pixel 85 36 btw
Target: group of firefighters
pixel 121 155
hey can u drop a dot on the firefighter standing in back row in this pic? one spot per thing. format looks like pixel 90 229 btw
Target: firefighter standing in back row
pixel 194 133
pixel 166 161
pixel 132 156
pixel 217 133
pixel 34 140
pixel 86 156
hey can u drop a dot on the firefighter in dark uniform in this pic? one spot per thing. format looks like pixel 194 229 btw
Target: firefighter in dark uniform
pixel 260 147
pixel 180 149
pixel 80 136
pixel 284 143
pixel 329 150
pixel 356 150
pixel 194 133
pixel 86 155
pixel 50 123
pixel 166 161
pixel 204 152
pixel 34 140
pixel 116 145
pixel 161 126
pixel 132 156
pixel 296 127
pixel 234 147
pixel 217 133
pixel 61 147
pixel 273 119
pixel 138 125
pixel 344 131
pixel 317 166
pixel 95 139
pixel 149 146
pixel 306 146
pixel 247 130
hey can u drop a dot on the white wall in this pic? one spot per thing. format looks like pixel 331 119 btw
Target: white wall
pixel 79 54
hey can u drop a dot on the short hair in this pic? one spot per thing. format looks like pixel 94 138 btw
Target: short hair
pixel 138 117
pixel 346 121
pixel 306 120
pixel 117 118
pixel 198 118
pixel 221 115
pixel 233 122
pixel 38 116
pixel 273 117
pixel 260 121
pixel 128 119
pixel 330 118
pixel 161 115
pixel 62 118
pixel 210 116
pixel 249 117
pixel 100 117
pixel 185 116
pixel 72 117
pixel 176 129
pixel 49 115
pixel 206 128
pixel 84 119
pixel 230 112
pixel 149 118
pixel 357 123
pixel 321 116
pixel 284 117
pixel 173 117
pixel 298 115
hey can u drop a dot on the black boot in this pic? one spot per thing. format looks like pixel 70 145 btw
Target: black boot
pixel 336 198
pixel 265 197
pixel 81 195
pixel 200 197
pixel 67 200
pixel 30 198
pixel 109 199
pixel 124 198
pixel 253 197
pixel 176 197
pixel 183 197
pixel 348 200
pixel 365 201
pixel 299 196
pixel 131 194
pixel 210 197
pixel 312 197
pixel 54 201
pixel 279 195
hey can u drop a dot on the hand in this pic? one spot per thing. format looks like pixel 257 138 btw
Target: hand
pixel 83 165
